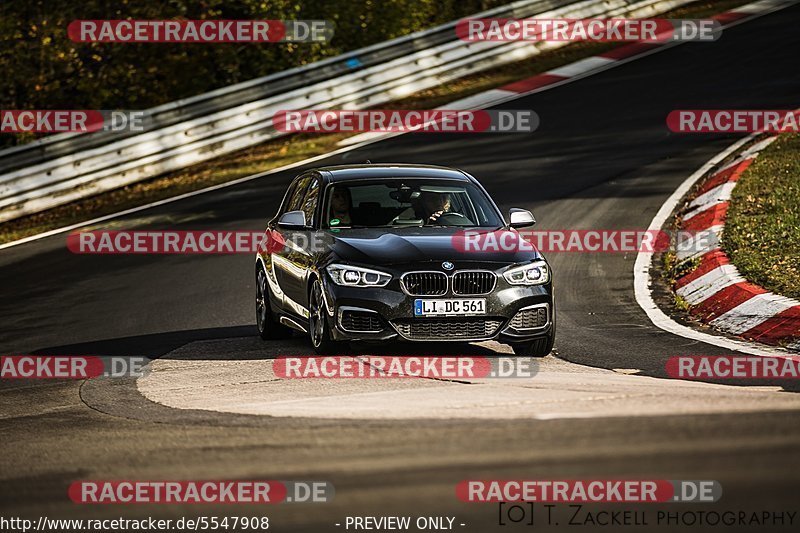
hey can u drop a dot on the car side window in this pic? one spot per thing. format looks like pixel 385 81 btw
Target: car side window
pixel 287 199
pixel 295 202
pixel 309 205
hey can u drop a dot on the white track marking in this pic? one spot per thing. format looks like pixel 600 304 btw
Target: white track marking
pixel 700 243
pixel 581 67
pixel 757 7
pixel 720 193
pixel 751 151
pixel 709 284
pixel 694 212
pixel 642 280
pixel 757 308
pixel 753 312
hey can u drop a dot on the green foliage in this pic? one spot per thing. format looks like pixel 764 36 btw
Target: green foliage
pixel 762 232
pixel 44 69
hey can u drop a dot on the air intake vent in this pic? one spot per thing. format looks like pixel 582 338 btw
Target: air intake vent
pixel 443 329
pixel 361 321
pixel 471 283
pixel 529 319
pixel 425 283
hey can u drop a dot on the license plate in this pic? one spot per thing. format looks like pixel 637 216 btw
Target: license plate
pixel 450 307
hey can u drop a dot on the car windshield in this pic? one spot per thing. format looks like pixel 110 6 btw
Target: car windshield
pixel 407 203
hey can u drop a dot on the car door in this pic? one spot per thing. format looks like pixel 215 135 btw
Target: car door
pixel 306 254
pixel 293 261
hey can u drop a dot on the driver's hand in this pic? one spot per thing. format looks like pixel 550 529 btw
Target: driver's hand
pixel 435 216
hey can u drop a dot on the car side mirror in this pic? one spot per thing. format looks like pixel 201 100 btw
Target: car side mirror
pixel 292 220
pixel 520 218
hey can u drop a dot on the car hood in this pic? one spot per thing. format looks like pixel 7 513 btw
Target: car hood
pixel 382 246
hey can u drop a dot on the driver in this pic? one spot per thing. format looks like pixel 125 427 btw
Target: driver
pixel 435 205
pixel 340 207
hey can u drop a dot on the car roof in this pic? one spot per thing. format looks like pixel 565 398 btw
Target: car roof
pixel 367 171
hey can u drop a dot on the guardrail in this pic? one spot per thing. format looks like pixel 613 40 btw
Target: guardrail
pixel 66 167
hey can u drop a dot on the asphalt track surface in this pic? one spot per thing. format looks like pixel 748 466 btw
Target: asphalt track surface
pixel 602 158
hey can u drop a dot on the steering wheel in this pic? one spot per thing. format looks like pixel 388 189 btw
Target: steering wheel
pixel 451 218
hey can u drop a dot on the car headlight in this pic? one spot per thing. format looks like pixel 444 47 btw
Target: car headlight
pixel 535 273
pixel 351 276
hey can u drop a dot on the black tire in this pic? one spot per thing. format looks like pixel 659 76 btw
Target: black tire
pixel 268 327
pixel 318 327
pixel 535 348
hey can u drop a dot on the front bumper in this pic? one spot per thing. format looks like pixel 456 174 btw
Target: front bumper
pixel 393 310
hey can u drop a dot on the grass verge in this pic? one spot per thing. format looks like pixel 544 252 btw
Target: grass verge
pixel 287 150
pixel 762 230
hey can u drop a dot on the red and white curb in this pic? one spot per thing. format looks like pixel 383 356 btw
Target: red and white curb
pixel 717 293
pixel 582 68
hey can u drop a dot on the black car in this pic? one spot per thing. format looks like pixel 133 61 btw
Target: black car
pixel 375 253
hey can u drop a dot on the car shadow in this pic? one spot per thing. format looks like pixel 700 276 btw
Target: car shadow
pixel 238 343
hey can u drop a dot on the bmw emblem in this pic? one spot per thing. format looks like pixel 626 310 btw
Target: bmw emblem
pixel 447 265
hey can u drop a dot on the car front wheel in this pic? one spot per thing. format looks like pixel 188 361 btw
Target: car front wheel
pixel 318 328
pixel 268 327
pixel 536 348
